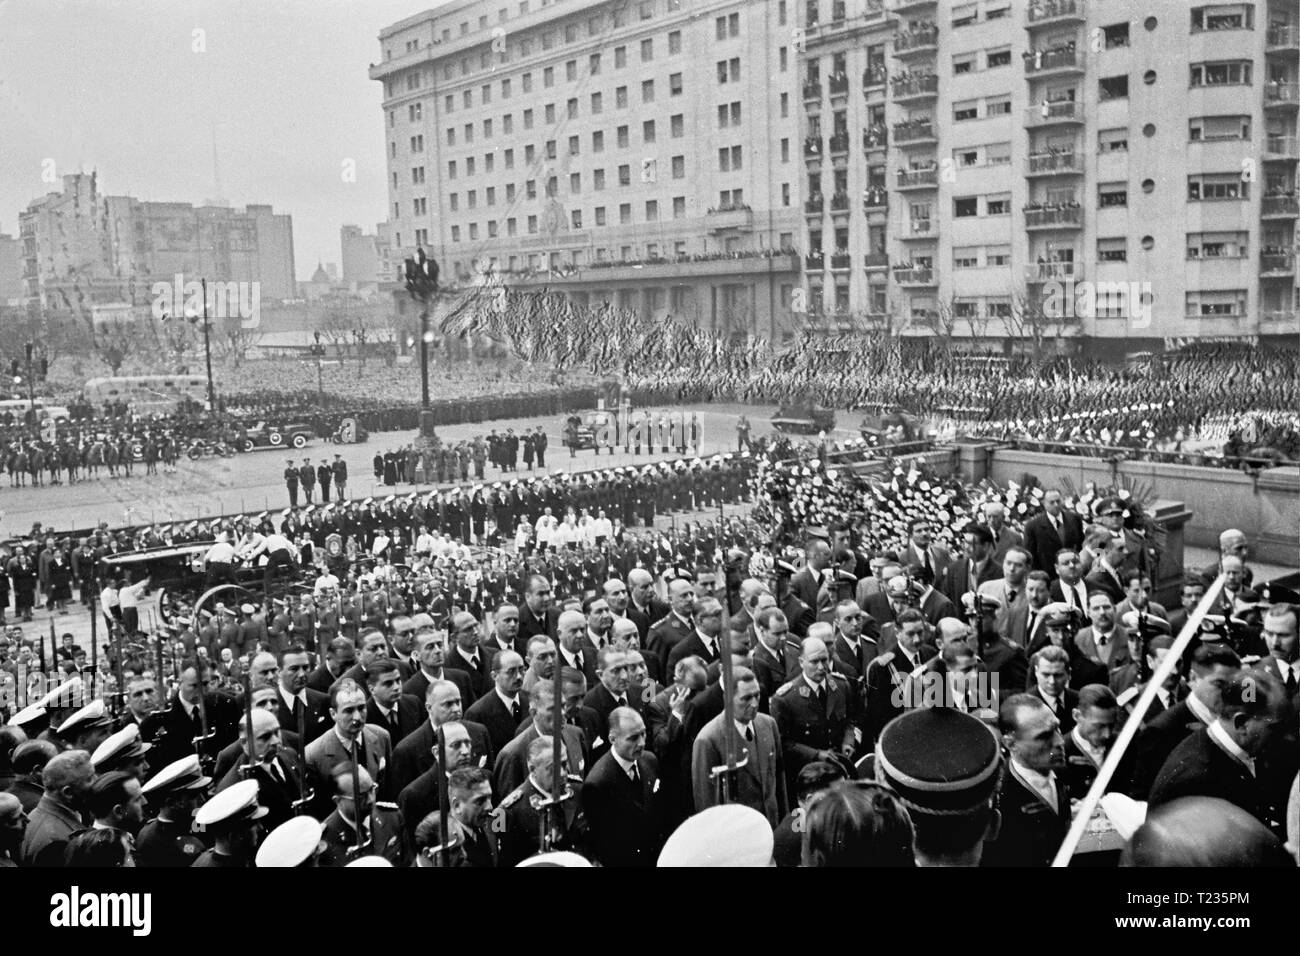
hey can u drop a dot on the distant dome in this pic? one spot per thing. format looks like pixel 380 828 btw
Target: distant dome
pixel 320 275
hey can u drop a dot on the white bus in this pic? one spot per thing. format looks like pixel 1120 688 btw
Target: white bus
pixel 18 407
pixel 147 394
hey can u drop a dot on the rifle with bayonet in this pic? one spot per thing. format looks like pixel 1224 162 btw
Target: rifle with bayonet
pixel 440 855
pixel 724 774
pixel 306 795
pixel 551 809
pixel 364 843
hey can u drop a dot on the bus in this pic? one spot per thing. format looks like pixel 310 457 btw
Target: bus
pixel 148 394
pixel 18 408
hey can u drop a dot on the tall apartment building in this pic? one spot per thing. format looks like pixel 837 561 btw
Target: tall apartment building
pixel 640 152
pixel 83 248
pixel 367 258
pixel 969 166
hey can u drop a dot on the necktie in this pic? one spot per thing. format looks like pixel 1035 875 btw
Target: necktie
pixel 473 661
pixel 749 733
pixel 274 769
pixel 929 566
pixel 636 774
pixel 577 660
pixel 516 711
pixel 620 701
pixel 392 721
pixel 1291 685
pixel 821 696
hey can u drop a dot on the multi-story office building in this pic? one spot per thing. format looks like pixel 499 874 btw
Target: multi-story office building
pixel 982 168
pixel 640 152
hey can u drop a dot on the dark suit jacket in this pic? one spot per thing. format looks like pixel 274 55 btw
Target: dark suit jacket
pixel 693 645
pixel 327 751
pixel 1156 741
pixel 316 719
pixel 511 766
pixel 1198 767
pixel 418 685
pixel 1043 541
pixel 278 797
pixel 390 839
pixel 415 754
pixel 1099 579
pixel 654 611
pixel 501 725
pixel 480 678
pixel 172 734
pixel 530 625
pixel 320 680
pixel 936 605
pixel 1031 831
pixel 957 581
pixel 623 818
pixel 804 584
pixel 232 755
pixel 1058 594
pixel 411 713
pixel 1064 710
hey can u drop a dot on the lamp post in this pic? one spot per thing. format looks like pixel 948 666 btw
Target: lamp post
pixel 207 346
pixel 318 350
pixel 421 275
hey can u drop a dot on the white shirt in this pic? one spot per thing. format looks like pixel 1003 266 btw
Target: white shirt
pixel 424 544
pixel 1079 592
pixel 1229 746
pixel 602 528
pixel 108 598
pixel 1095 754
pixel 1043 784
pixel 221 552
pixel 625 765
pixel 508 701
pixel 290 698
pixel 741 728
pixel 324 582
pixel 129 596
pixel 1197 707
pixel 710 643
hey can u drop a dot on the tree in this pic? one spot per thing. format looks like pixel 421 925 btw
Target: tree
pixel 233 340
pixel 336 327
pixel 942 321
pixel 1029 319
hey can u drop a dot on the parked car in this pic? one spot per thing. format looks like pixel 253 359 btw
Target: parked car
pixel 262 434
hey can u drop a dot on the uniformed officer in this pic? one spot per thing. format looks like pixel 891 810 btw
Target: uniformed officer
pixel 176 790
pixel 231 818
pixel 888 676
pixel 517 822
pixel 815 712
pixel 674 627
pixel 294 843
pixel 730 834
pixel 123 750
pixel 86 728
pixel 381 831
pixel 291 482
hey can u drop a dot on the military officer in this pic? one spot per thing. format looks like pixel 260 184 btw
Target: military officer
pixel 518 821
pixel 291 482
pixel 815 712
pixel 674 627
pixel 381 833
pixel 232 819
pixel 176 790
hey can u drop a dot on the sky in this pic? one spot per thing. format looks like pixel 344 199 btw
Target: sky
pixel 129 89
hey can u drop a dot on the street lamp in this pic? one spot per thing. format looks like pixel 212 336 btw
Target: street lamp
pixel 207 346
pixel 421 275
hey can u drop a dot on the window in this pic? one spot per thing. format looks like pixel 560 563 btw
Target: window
pixel 574 149
pixel 468 98
pixel 571 108
pixel 600 215
pixel 782 59
pixel 993 60
pixel 999 205
pixel 620 57
pixel 548 40
pixel 530 189
pixel 417 144
pixel 729 158
pixel 1112 141
pixel 455 233
pixel 488 162
pixel 965 257
pixel 964 207
pixel 529 152
pixel 1213 128
pixel 598 141
pixel 451 136
pixel 785 105
pixel 625 175
pixel 997 106
pixel 648 131
pixel 674 42
pixel 527 82
pixel 487 129
pixel 651 210
pixel 647 91
pixel 1235 73
pixel 471 199
pixel 1239 16
pixel 997 256
pixel 550 149
pixel 570 33
pixel 507 124
pixel 548 77
pixel 575 218
pixel 469 132
pixel 963 63
pixel 679 167
pixel 571 70
pixel 550 113
pixel 469 166
pixel 597 104
pixel 510 192
pixel 1112 195
pixel 625 213
pixel 1112 250
pixel 785 150
pixel 486 94
pixel 454 201
pixel 598 180
pixel 674 84
pixel 997 154
pixel 647 9
pixel 593 64
pixel 729 70
pixel 1113 88
pixel 785 194
pixel 780 13
pixel 965 16
pixel 528 119
pixel 620 97
pixel 1218 245
pixel 451 169
pixel 575 182
pixel 414 112
pixel 679 207
pixel 1213 187
pixel 677 126
pixel 647 50
pixel 621 133
pixel 1116 35
pixel 532 225
pixel 448 103
pixel 967 110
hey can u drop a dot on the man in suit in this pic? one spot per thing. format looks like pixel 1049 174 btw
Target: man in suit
pixel 1009 590
pixel 340 655
pixel 296 698
pixel 704 642
pixel 1027 623
pixel 379 827
pixel 1283 645
pixel 505 632
pixel 932 603
pixel 464 654
pixel 1004 536
pixel 611 691
pixel 265 699
pixel 431 648
pixel 400 714
pixel 420 797
pixel 537 616
pixel 275 769
pixel 923 552
pixel 1049 671
pixel 511 766
pixel 666 717
pixel 853 650
pixel 1103 644
pixel 978 566
pixel 1034 804
pixel 1232 543
pixel 674 627
pixel 1213 663
pixel 1189 595
pixel 1242 757
pixel 620 796
pixel 470 817
pixel 1137 595
pixel 173 731
pixel 775 657
pixel 68 778
pixel 807 581
pixel 644 607
pixel 373 745
pixel 1068 587
pixel 403 641
pixel 1105 573
pixel 1052 531
pixel 503 708
pixel 761 782
pixel 373 646
pixel 415 754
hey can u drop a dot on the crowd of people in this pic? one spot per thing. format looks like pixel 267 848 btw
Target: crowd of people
pixel 883 647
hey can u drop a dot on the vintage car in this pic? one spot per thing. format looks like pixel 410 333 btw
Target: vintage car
pixel 261 434
pixel 803 419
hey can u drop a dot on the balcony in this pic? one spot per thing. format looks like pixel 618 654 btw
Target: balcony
pixel 839 143
pixel 873 78
pixel 875 199
pixel 812 92
pixel 926 178
pixel 1058 217
pixel 840 202
pixel 1055 164
pixel 1278 146
pixel 914 133
pixel 1039 63
pixel 914 88
pixel 839 85
pixel 1283 39
pixel 1053 272
pixel 921 229
pixel 874 261
pixel 875 137
pixel 909 43
pixel 1280 207
pixel 724 218
pixel 814 262
pixel 1280 322
pixel 841 261
pixel 915 275
pixel 812 146
pixel 1062 112
pixel 1283 95
pixel 1276 265
pixel 814 206
pixel 1055 12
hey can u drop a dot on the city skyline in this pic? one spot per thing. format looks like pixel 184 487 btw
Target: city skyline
pixel 283 131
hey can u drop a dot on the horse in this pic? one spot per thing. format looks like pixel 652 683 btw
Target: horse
pixel 150 457
pixel 36 462
pixel 71 458
pixel 169 453
pixel 124 456
pixel 93 458
pixel 110 458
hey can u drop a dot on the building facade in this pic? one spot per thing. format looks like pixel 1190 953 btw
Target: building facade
pixel 641 153
pixel 1075 172
pixel 82 248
